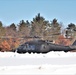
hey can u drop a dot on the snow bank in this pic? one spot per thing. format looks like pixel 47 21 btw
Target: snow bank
pixel 52 63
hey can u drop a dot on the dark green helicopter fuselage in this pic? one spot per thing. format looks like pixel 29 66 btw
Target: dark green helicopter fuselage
pixel 40 46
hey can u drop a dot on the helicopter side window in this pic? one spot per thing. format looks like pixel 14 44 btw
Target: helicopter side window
pixel 30 47
pixel 43 46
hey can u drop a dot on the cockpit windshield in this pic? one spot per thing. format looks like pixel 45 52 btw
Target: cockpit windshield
pixel 30 47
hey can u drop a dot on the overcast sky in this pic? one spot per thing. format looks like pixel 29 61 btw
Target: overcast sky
pixel 16 10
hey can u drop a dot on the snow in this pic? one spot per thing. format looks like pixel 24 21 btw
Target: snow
pixel 52 63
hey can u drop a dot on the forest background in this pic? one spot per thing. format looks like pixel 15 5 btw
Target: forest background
pixel 13 35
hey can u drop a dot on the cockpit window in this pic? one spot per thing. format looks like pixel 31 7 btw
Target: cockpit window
pixel 30 47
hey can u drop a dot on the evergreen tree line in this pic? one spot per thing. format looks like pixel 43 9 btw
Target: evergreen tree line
pixel 38 27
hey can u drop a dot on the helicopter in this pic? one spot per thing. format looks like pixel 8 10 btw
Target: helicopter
pixel 42 46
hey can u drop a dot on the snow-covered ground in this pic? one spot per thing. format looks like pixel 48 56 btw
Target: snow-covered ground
pixel 52 63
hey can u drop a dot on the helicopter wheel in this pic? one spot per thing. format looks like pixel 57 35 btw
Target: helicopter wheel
pixel 29 52
pixel 33 52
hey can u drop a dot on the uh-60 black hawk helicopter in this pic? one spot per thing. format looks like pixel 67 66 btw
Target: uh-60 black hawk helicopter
pixel 41 46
